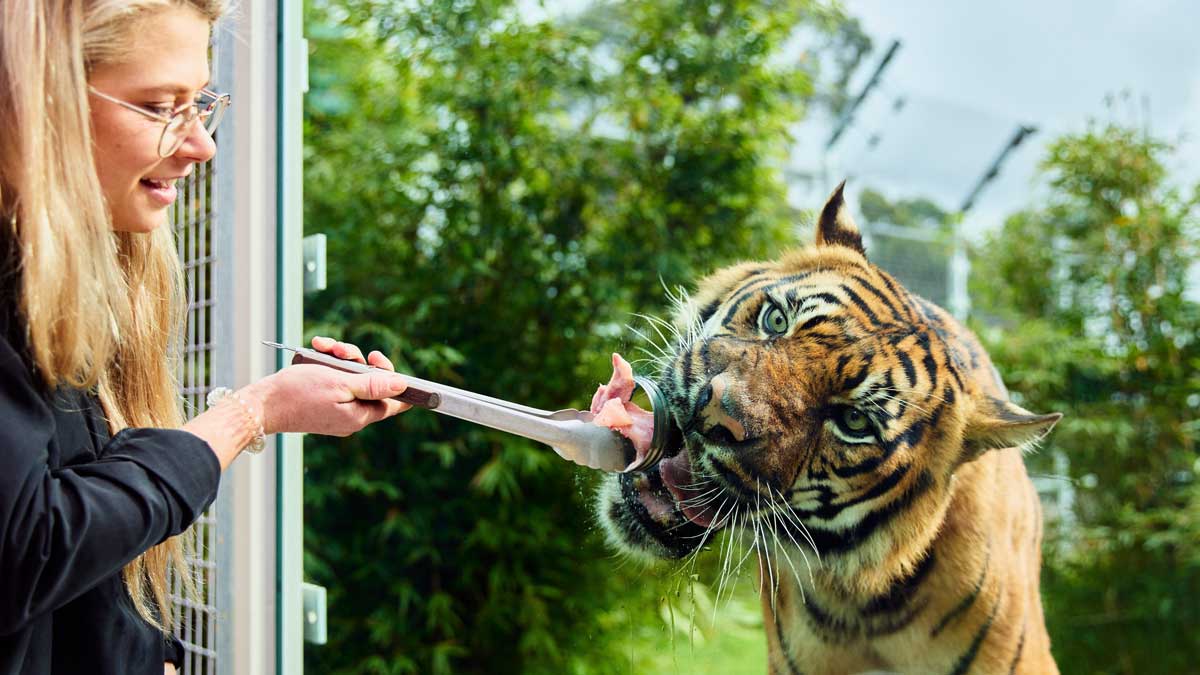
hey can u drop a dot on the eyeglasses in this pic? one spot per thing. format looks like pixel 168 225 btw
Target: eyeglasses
pixel 209 108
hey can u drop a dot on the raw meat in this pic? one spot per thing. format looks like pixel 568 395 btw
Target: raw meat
pixel 613 409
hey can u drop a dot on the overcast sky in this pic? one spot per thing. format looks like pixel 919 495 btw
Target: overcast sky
pixel 971 72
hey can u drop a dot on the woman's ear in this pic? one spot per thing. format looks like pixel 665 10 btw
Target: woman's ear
pixel 836 226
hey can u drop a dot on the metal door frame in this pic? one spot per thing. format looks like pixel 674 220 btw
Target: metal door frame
pixel 259 59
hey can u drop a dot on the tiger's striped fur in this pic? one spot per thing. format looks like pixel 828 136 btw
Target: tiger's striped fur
pixel 926 523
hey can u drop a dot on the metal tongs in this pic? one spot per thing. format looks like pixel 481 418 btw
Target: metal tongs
pixel 570 432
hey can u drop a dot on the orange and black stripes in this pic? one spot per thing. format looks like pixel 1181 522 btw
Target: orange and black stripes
pixel 840 541
pixel 827 408
pixel 964 662
pixel 964 604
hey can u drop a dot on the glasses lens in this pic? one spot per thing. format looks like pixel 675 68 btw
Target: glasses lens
pixel 174 132
pixel 213 114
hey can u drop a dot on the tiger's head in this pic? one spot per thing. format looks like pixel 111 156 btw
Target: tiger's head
pixel 814 396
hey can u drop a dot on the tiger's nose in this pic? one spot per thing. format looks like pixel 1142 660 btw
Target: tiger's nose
pixel 715 404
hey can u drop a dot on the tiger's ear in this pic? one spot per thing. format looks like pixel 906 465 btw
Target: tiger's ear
pixel 836 226
pixel 997 424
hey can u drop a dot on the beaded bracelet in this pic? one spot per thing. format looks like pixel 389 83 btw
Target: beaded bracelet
pixel 219 394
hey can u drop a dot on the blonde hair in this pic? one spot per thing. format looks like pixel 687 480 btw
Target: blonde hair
pixel 100 308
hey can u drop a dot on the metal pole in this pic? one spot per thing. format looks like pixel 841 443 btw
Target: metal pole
pixel 846 118
pixel 292 81
pixel 1019 136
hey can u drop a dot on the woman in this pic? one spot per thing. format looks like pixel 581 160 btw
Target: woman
pixel 103 106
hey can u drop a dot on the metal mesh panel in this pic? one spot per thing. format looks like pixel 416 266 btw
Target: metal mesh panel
pixel 196 618
pixel 919 258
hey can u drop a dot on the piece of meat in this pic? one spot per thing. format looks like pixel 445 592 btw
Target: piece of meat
pixel 613 415
pixel 620 385
pixel 641 432
pixel 613 409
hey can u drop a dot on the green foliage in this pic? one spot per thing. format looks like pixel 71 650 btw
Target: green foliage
pixel 919 212
pixel 499 196
pixel 1093 319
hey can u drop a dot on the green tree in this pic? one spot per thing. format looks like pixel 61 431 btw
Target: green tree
pixel 917 212
pixel 499 196
pixel 1095 320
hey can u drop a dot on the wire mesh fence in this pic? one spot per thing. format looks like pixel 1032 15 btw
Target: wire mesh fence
pixel 920 259
pixel 196 616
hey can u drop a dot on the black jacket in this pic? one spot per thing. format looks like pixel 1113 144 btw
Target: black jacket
pixel 75 507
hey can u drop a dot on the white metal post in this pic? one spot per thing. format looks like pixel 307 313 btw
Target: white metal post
pixel 292 59
pixel 247 295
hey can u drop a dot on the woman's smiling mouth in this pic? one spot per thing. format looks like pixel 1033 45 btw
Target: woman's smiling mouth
pixel 161 190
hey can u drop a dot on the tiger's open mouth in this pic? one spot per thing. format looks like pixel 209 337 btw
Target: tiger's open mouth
pixel 694 497
pixel 666 511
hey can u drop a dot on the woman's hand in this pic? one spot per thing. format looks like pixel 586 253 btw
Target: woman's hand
pixel 317 399
pixel 168 668
pixel 306 398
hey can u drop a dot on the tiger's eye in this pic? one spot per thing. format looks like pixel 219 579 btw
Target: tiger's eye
pixel 774 321
pixel 854 420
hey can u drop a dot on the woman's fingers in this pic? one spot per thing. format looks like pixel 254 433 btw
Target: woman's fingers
pixel 382 409
pixel 371 412
pixel 375 386
pixel 342 350
pixel 323 344
pixel 377 359
pixel 374 391
pixel 322 400
pixel 345 350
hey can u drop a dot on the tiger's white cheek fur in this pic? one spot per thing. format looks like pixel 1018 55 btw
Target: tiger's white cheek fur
pixel 687 316
pixel 709 328
pixel 609 500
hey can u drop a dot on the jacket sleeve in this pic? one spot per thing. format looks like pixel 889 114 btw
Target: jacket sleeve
pixel 64 530
pixel 175 653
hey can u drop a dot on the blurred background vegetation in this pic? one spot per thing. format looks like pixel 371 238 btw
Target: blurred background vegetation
pixel 501 196
pixel 1085 297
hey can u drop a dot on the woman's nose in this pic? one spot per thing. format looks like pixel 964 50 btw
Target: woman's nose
pixel 198 146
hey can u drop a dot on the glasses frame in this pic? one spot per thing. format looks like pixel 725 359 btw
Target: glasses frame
pixel 180 121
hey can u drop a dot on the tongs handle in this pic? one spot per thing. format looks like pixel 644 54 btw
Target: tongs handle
pixel 413 395
pixel 574 437
pixel 425 393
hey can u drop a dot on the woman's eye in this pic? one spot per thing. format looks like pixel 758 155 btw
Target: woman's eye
pixel 160 109
pixel 774 321
pixel 852 425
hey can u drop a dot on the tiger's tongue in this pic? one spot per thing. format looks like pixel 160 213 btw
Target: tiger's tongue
pixel 677 475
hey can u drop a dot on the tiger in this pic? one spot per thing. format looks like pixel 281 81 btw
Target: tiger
pixel 841 420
